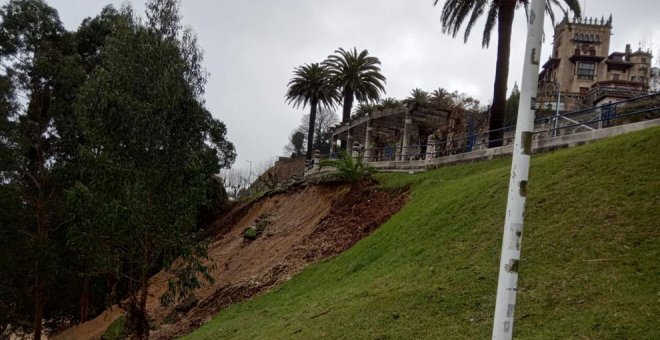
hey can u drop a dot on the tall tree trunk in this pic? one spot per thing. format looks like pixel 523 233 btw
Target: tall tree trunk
pixel 504 25
pixel 38 303
pixel 39 110
pixel 346 113
pixel 84 297
pixel 144 290
pixel 142 319
pixel 41 243
pixel 310 132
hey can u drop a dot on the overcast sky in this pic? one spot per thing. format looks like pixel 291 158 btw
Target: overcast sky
pixel 252 46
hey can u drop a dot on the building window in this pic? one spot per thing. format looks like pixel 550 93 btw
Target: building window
pixel 586 71
pixel 597 37
pixel 615 76
pixel 643 60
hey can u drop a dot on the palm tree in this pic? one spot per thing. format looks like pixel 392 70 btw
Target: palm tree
pixel 311 85
pixel 389 102
pixel 358 76
pixel 364 109
pixel 455 12
pixel 418 95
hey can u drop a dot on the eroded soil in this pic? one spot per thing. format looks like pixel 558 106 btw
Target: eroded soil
pixel 304 225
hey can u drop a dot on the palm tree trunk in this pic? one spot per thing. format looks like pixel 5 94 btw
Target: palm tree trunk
pixel 348 106
pixel 310 132
pixel 504 26
pixel 346 114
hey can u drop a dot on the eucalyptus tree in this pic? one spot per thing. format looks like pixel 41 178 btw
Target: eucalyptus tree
pixel 92 35
pixel 148 149
pixel 357 75
pixel 311 85
pixel 498 13
pixel 38 74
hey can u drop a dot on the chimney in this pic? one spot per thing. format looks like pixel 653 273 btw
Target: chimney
pixel 628 52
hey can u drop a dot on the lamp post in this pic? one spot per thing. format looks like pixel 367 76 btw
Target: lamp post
pixel 507 284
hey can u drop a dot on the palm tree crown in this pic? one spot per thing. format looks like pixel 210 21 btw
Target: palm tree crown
pixel 311 85
pixel 454 13
pixel 358 75
pixel 418 95
pixel 500 13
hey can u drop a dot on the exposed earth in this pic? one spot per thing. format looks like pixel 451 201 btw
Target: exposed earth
pixel 303 225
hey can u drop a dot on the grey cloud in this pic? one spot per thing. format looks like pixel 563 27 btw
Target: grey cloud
pixel 252 47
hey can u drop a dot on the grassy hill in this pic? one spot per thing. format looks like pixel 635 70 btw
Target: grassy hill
pixel 590 257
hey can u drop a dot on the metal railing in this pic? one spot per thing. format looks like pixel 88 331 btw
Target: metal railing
pixel 552 125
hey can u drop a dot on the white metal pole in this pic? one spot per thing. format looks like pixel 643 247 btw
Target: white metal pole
pixel 507 284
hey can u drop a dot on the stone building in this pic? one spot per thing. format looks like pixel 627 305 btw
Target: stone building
pixel 582 68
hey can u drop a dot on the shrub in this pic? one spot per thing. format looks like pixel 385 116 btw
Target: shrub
pixel 250 233
pixel 349 169
pixel 258 228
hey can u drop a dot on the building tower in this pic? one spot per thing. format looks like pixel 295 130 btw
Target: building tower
pixel 586 74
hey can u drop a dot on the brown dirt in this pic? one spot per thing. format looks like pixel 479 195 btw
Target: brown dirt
pixel 305 225
pixel 92 329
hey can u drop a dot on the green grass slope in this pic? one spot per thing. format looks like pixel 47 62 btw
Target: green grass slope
pixel 590 257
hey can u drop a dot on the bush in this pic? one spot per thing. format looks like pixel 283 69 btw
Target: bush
pixel 258 228
pixel 250 233
pixel 349 169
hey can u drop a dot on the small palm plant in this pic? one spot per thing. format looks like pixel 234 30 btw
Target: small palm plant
pixel 349 169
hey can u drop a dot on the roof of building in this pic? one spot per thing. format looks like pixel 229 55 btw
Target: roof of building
pixel 551 62
pixel 640 52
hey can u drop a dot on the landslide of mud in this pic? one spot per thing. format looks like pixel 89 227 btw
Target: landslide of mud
pixel 303 225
